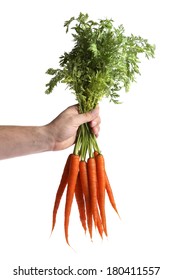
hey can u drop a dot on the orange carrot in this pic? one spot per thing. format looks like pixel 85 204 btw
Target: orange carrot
pixel 84 183
pixel 100 166
pixel 60 190
pixel 80 202
pixel 72 179
pixel 92 180
pixel 99 224
pixel 95 153
pixel 110 194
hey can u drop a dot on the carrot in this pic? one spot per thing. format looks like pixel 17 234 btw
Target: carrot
pixel 110 194
pixel 100 166
pixel 95 153
pixel 80 202
pixel 99 224
pixel 92 180
pixel 84 183
pixel 60 190
pixel 72 179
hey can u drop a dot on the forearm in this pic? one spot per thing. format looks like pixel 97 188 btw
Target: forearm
pixel 23 140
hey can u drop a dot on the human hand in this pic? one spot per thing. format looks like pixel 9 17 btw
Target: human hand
pixel 64 127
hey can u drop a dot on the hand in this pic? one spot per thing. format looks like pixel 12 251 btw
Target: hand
pixel 57 135
pixel 64 127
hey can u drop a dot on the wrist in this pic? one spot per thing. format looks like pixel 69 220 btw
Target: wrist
pixel 48 139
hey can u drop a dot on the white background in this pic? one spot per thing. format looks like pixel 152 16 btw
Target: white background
pixel 135 138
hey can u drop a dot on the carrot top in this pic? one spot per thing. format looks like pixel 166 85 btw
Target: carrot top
pixel 102 62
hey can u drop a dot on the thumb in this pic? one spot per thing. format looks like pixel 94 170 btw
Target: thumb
pixel 89 116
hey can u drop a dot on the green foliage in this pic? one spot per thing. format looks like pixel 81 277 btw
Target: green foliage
pixel 101 63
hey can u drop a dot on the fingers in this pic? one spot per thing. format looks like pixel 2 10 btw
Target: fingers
pixel 92 117
pixel 95 125
pixel 89 116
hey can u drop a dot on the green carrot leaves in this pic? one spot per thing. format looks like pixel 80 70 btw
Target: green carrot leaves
pixel 102 62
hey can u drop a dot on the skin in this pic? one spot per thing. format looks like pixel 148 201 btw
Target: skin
pixel 57 135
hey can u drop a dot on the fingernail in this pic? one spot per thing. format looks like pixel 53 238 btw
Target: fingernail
pixel 93 123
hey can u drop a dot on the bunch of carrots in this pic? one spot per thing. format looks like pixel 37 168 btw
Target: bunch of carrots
pixel 102 62
pixel 88 182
